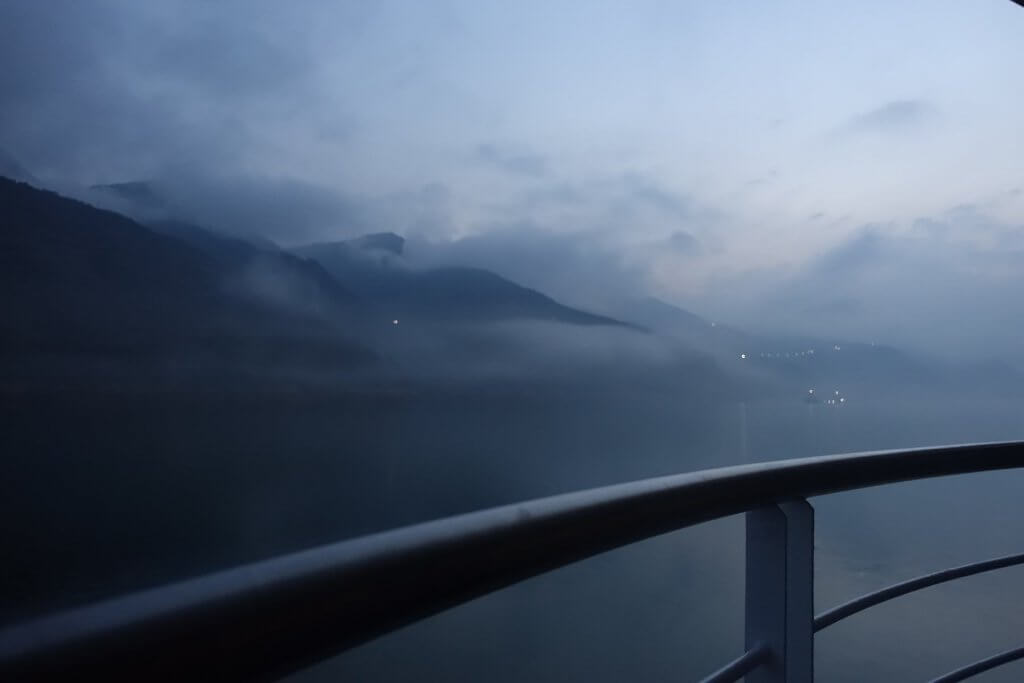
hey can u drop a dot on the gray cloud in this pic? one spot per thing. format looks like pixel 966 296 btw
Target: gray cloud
pixel 644 189
pixel 561 193
pixel 532 165
pixel 292 212
pixel 948 285
pixel 285 211
pixel 567 238
pixel 578 268
pixel 124 90
pixel 346 118
pixel 861 251
pixel 892 117
pixel 629 203
pixel 683 242
pixel 226 60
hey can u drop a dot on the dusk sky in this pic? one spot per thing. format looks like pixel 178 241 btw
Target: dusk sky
pixel 795 166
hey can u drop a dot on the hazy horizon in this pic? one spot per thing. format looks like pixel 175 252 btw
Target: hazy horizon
pixel 846 171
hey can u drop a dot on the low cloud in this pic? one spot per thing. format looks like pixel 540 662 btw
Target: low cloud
pixel 684 243
pixel 579 268
pixel 593 243
pixel 282 210
pixel 892 117
pixel 947 284
pixel 532 165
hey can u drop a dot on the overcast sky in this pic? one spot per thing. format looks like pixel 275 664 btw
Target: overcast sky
pixel 784 164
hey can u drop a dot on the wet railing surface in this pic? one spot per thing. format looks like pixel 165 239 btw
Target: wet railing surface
pixel 267 619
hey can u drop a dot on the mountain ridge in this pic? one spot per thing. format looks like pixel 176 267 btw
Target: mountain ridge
pixel 448 293
pixel 78 281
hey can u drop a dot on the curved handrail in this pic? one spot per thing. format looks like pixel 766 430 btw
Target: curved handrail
pixel 839 612
pixel 980 666
pixel 272 617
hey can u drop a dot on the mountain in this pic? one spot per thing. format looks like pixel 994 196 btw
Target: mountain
pixel 277 276
pixel 81 283
pixel 371 266
pixel 799 363
pixel 150 203
pixel 687 327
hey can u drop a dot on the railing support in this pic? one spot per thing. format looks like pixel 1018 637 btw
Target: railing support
pixel 780 591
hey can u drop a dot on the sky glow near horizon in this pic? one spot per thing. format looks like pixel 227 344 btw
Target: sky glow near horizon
pixel 719 155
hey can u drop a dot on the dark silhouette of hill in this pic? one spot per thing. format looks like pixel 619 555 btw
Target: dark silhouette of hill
pixel 371 267
pixel 80 282
pixel 278 276
pixel 148 202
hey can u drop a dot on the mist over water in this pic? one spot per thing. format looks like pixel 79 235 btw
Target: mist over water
pixel 671 608
pixel 131 491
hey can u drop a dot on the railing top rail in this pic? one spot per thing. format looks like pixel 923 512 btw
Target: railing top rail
pixel 272 617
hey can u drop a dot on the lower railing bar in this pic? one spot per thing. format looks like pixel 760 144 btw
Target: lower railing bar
pixel 741 666
pixel 981 666
pixel 833 615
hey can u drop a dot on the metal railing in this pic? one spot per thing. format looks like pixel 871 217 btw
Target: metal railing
pixel 266 619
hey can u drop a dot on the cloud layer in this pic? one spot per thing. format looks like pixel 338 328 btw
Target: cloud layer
pixel 734 161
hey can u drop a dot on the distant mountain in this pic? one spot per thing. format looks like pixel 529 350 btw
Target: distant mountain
pixel 801 363
pixel 80 282
pixel 660 315
pixel 687 327
pixel 370 267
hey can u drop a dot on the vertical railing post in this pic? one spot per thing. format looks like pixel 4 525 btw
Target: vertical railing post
pixel 780 591
pixel 799 591
pixel 766 591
